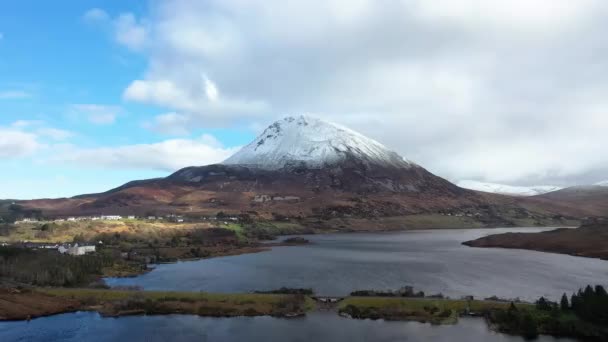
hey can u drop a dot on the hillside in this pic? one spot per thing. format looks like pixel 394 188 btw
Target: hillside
pixel 590 240
pixel 507 189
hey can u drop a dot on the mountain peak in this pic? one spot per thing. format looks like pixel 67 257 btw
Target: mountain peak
pixel 313 142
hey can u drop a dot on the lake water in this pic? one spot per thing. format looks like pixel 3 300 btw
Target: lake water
pixel 430 260
pixel 336 264
pixel 318 327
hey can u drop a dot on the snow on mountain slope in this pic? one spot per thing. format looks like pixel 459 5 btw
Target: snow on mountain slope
pixel 507 189
pixel 603 183
pixel 313 142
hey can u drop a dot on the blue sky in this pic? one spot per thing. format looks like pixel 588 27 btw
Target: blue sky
pixel 52 60
pixel 94 94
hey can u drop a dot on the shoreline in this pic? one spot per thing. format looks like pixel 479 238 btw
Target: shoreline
pixel 588 241
pixel 24 305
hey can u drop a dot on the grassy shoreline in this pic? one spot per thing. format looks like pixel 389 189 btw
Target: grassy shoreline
pixel 431 310
pixel 523 319
pixel 40 302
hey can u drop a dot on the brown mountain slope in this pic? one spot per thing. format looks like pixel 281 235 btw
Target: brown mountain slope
pixel 589 240
pixel 345 191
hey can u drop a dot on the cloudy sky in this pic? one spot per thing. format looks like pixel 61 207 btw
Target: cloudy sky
pixel 97 93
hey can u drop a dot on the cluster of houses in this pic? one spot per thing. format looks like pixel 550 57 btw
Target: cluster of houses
pixel 63 248
pixel 170 218
pixel 95 218
pixel 460 214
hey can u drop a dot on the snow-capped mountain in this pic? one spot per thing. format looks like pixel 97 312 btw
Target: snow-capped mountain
pixel 312 142
pixel 507 189
pixel 603 183
pixel 307 169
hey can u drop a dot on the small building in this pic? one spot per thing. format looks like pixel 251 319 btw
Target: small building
pixel 131 217
pixel 111 217
pixel 76 249
pixel 26 220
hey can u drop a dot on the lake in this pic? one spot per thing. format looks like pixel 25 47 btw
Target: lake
pixel 430 260
pixel 318 326
pixel 335 264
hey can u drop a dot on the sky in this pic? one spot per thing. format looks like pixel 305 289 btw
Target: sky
pixel 97 93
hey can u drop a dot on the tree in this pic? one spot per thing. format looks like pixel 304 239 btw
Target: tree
pixel 528 326
pixel 543 304
pixel 563 304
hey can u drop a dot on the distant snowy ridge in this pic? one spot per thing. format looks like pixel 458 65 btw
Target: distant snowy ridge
pixel 602 183
pixel 507 189
pixel 314 143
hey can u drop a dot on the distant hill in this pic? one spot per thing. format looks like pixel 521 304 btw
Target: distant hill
pixel 507 189
pixel 590 240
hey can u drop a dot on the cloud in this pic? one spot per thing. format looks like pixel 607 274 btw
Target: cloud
pixel 126 29
pixel 97 114
pixel 130 32
pixel 168 155
pixel 14 94
pixel 26 138
pixel 488 90
pixel 15 143
pixel 54 133
pixel 169 123
pixel 96 15
pixel 20 124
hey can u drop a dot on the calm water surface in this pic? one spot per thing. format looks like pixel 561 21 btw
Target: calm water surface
pixel 434 261
pixel 318 327
pixel 431 260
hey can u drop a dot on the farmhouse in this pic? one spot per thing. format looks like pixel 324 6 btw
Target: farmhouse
pixel 76 249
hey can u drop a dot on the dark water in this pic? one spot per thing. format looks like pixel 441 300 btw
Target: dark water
pixel 433 261
pixel 318 327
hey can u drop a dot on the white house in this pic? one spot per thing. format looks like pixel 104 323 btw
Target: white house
pixel 111 217
pixel 76 250
pixel 26 220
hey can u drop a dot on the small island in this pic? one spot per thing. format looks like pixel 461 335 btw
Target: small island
pixel 296 240
pixel 590 240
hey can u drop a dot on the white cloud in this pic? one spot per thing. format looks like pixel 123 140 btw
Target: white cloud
pixel 14 94
pixel 26 138
pixel 211 90
pixel 168 155
pixel 15 143
pixel 96 15
pixel 487 90
pixel 519 16
pixel 20 124
pixel 169 123
pixel 129 32
pixel 54 133
pixel 97 114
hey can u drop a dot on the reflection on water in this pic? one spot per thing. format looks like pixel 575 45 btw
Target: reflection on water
pixel 318 327
pixel 433 261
